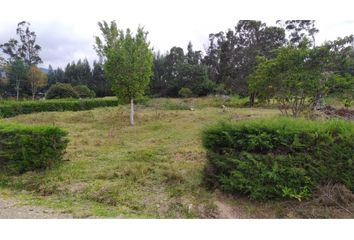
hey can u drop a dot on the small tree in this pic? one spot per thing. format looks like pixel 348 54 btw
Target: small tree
pixel 17 72
pixel 293 78
pixel 127 62
pixel 36 79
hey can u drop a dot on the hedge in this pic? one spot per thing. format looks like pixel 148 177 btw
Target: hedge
pixel 25 148
pixel 13 108
pixel 279 158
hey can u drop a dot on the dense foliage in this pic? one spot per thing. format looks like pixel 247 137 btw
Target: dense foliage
pixel 292 77
pixel 84 92
pixel 80 73
pixel 61 90
pixel 13 108
pixel 128 62
pixel 279 158
pixel 27 148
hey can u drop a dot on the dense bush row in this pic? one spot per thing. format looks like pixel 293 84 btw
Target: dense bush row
pixel 279 158
pixel 66 90
pixel 25 148
pixel 12 108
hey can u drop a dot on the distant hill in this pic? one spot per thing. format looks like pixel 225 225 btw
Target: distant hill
pixel 45 70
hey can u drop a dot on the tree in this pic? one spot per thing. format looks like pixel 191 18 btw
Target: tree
pixel 298 30
pixel 59 75
pixel 342 87
pixel 293 77
pixel 70 74
pixel 158 83
pixel 99 83
pixel 193 57
pixel 128 62
pixel 17 72
pixel 231 56
pixel 175 70
pixel 26 48
pixel 51 76
pixel 36 79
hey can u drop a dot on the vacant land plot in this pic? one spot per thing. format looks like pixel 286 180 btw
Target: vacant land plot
pixel 151 170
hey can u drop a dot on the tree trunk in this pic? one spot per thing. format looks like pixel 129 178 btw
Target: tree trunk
pixel 252 99
pixel 33 92
pixel 131 112
pixel 17 91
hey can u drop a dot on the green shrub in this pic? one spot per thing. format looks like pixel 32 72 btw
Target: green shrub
pixel 185 93
pixel 84 92
pixel 26 148
pixel 13 108
pixel 61 90
pixel 205 88
pixel 279 158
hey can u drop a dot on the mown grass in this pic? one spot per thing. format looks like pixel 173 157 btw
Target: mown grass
pixel 151 170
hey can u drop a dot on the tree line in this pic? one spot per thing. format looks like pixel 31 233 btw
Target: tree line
pixel 81 73
pixel 281 62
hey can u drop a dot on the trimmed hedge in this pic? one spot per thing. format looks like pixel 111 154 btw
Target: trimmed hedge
pixel 279 158
pixel 26 148
pixel 13 108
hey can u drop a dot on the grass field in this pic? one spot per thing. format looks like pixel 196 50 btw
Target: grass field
pixel 151 170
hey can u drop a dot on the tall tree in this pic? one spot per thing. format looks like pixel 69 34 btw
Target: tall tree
pixel 98 82
pixel 231 56
pixel 299 30
pixel 25 49
pixel 128 63
pixel 59 75
pixel 51 75
pixel 158 83
pixel 193 57
pixel 70 74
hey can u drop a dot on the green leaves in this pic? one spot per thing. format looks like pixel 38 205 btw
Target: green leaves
pixel 294 77
pixel 25 148
pixel 128 60
pixel 279 158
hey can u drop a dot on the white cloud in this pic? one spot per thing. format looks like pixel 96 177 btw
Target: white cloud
pixel 65 28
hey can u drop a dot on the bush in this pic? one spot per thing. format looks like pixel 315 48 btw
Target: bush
pixel 61 90
pixel 185 93
pixel 26 148
pixel 84 92
pixel 279 158
pixel 205 88
pixel 13 108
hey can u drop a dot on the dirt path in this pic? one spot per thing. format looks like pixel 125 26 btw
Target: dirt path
pixel 10 208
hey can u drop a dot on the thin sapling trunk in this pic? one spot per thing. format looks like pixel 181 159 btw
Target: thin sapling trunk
pixel 131 112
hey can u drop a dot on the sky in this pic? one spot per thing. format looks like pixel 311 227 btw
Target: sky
pixel 65 29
